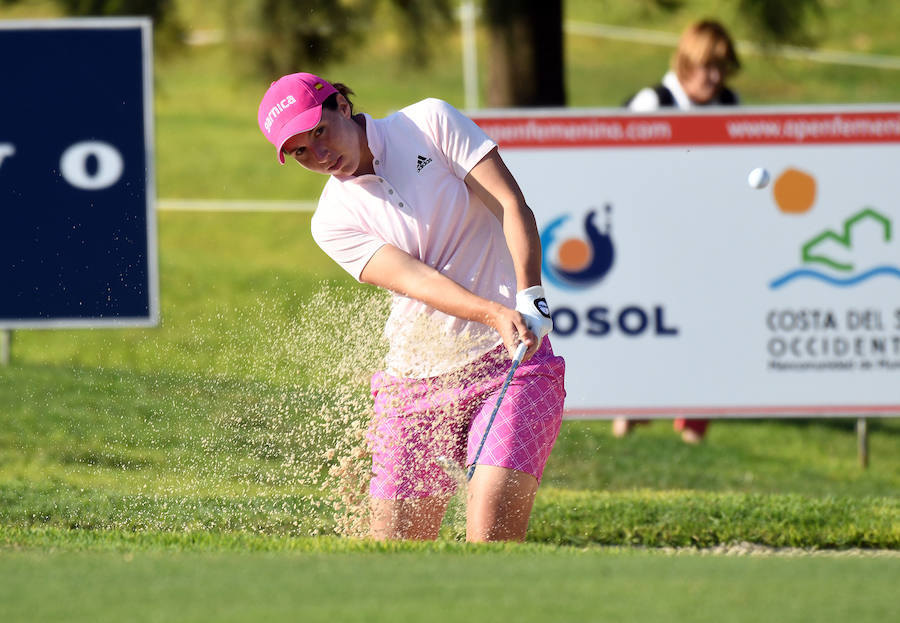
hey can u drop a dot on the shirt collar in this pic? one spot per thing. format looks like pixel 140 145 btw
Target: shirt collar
pixel 374 137
pixel 671 82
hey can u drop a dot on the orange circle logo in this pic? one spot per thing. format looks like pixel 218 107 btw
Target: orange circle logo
pixel 795 191
pixel 574 254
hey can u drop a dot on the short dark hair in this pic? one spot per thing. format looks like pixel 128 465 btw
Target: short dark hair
pixel 343 89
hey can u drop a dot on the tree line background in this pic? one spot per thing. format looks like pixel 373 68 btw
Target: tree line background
pixel 525 58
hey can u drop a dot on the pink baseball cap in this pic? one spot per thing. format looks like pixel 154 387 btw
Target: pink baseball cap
pixel 291 106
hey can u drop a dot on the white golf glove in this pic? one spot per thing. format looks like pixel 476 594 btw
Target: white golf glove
pixel 531 303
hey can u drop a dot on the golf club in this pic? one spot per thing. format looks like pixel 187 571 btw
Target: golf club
pixel 448 465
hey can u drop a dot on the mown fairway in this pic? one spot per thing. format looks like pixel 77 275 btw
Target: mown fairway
pixel 448 584
pixel 176 473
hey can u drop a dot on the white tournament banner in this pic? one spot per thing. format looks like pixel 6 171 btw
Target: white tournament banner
pixel 679 289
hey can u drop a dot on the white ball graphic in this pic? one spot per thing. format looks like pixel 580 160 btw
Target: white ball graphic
pixel 758 178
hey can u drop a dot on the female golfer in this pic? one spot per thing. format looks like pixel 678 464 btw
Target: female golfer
pixel 704 61
pixel 420 203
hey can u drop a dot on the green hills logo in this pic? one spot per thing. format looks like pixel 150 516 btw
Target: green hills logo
pixel 862 249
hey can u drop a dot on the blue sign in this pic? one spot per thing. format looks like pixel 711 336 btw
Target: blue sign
pixel 77 216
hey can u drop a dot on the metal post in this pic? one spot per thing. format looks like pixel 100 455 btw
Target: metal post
pixel 862 442
pixel 5 346
pixel 470 53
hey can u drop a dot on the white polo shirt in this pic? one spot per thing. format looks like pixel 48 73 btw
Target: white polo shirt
pixel 418 202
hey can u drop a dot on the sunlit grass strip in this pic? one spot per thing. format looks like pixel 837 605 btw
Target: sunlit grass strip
pixel 640 518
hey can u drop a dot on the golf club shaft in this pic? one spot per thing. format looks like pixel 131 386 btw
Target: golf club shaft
pixel 517 359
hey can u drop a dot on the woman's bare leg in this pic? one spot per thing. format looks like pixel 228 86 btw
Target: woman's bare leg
pixel 500 502
pixel 417 519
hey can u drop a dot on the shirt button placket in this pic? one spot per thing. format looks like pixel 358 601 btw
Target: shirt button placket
pixel 390 191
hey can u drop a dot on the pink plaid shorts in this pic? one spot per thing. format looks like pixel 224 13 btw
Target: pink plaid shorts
pixel 418 420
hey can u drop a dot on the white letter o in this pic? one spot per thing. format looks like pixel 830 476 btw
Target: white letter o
pixel 73 165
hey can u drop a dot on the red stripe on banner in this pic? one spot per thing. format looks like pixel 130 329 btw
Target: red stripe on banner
pixel 693 130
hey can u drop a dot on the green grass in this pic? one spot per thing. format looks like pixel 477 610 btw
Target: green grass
pixel 813 457
pixel 376 584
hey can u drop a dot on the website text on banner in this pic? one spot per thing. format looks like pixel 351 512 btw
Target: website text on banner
pixel 679 289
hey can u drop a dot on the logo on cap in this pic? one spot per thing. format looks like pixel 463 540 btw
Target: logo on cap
pixel 279 107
